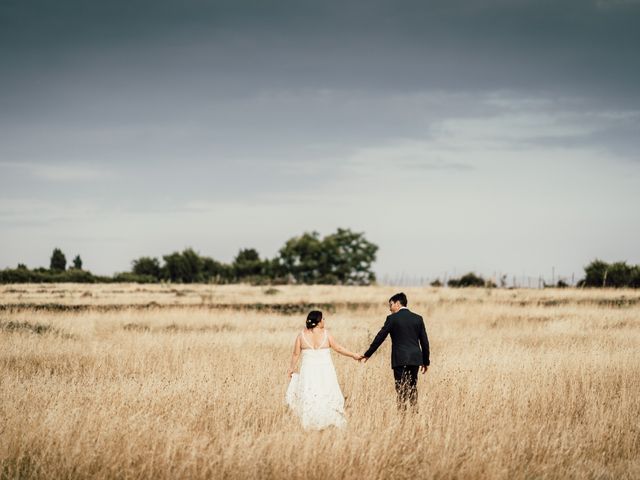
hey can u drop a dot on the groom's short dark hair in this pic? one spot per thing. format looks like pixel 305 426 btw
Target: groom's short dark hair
pixel 399 297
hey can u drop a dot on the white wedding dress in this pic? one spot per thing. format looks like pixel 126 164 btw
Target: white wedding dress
pixel 314 394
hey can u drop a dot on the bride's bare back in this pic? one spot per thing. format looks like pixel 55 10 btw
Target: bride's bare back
pixel 314 338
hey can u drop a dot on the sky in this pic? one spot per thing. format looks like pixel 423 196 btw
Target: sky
pixel 479 135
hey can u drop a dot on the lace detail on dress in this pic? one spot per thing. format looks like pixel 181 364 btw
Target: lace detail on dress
pixel 308 343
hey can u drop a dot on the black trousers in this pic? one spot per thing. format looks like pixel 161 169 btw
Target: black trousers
pixel 406 378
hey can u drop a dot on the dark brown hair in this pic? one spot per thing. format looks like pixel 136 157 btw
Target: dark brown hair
pixel 399 297
pixel 314 318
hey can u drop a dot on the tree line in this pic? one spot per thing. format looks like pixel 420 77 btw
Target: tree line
pixel 615 275
pixel 596 274
pixel 341 258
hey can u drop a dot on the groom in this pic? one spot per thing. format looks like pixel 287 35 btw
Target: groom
pixel 409 349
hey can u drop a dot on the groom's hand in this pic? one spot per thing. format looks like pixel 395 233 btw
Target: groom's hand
pixel 364 359
pixel 423 369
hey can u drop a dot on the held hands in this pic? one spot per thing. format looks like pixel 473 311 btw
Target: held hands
pixel 363 359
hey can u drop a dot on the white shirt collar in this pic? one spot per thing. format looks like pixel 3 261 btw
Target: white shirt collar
pixel 403 308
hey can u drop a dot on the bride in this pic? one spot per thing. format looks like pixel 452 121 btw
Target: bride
pixel 314 394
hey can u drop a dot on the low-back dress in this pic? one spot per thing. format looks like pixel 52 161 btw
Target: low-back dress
pixel 314 394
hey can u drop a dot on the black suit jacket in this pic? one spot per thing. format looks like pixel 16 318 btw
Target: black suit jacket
pixel 409 341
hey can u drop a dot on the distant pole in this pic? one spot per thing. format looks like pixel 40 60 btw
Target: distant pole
pixel 553 275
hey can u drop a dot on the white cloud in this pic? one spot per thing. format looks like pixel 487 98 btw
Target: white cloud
pixel 522 130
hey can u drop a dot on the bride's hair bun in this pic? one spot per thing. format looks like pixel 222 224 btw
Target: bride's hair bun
pixel 314 318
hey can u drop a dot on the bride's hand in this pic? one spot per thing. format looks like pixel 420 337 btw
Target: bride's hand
pixel 290 373
pixel 357 357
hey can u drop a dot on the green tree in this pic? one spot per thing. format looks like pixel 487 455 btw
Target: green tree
pixel 77 262
pixel 595 273
pixel 470 280
pixel 274 271
pixel 635 277
pixel 185 267
pixel 303 258
pixel 616 275
pixel 248 265
pixel 619 275
pixel 348 258
pixel 216 272
pixel 344 257
pixel 58 261
pixel 147 266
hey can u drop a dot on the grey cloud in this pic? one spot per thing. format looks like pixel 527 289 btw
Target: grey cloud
pixel 191 104
pixel 287 142
pixel 236 47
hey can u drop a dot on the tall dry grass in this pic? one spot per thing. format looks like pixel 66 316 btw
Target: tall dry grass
pixel 523 384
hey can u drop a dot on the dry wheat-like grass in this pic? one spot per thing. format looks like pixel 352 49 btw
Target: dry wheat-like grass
pixel 523 384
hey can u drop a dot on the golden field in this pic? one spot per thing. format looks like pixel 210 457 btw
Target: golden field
pixel 166 381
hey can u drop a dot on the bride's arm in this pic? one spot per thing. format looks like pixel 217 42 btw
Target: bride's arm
pixel 341 350
pixel 294 356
